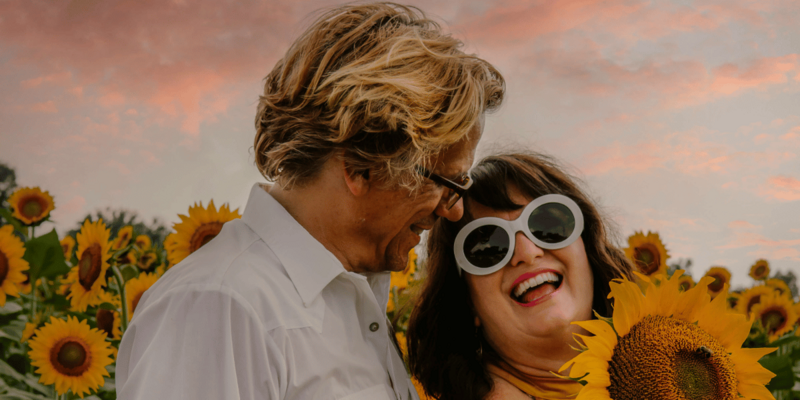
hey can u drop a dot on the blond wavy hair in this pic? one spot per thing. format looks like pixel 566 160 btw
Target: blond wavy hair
pixel 382 83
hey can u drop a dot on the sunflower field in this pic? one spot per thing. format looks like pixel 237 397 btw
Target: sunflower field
pixel 65 303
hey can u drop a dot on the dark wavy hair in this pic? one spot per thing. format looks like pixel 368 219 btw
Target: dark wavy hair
pixel 443 342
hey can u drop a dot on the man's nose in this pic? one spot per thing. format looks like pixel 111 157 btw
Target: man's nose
pixel 454 213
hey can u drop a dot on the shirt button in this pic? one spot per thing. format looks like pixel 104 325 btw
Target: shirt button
pixel 374 327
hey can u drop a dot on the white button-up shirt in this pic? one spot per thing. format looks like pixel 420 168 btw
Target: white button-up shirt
pixel 263 311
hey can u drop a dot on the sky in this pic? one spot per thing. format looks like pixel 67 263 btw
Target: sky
pixel 680 117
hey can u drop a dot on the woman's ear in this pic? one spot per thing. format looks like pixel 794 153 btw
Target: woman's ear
pixel 477 322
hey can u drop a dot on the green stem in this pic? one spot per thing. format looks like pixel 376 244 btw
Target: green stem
pixel 33 301
pixel 123 299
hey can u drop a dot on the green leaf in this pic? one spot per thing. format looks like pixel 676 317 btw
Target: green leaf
pixel 29 380
pixel 45 256
pixel 129 271
pixel 6 214
pixel 10 308
pixel 782 368
pixel 16 394
pixel 785 340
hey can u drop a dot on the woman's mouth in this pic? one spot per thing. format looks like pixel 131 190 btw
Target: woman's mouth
pixel 529 291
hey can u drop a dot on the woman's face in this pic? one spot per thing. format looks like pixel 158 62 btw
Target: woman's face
pixel 542 313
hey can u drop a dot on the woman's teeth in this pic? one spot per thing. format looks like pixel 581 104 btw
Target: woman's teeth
pixel 537 280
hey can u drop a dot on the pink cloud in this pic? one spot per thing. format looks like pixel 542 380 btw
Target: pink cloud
pixel 66 211
pixel 183 62
pixel 782 188
pixel 632 20
pixel 59 78
pixel 638 157
pixel 45 107
pixel 748 239
pixel 739 224
pixel 730 78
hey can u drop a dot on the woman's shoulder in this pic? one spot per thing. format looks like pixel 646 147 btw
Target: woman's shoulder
pixel 504 390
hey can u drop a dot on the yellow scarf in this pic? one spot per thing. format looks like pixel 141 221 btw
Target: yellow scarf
pixel 541 388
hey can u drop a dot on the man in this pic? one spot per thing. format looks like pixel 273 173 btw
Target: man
pixel 367 128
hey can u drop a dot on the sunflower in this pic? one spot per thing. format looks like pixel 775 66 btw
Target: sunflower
pixel 780 286
pixel 67 245
pixel 668 344
pixel 647 253
pixel 197 229
pixel 776 314
pixel 751 297
pixel 797 322
pixel 30 328
pixel 143 242
pixel 721 277
pixel 70 355
pixel 31 205
pixel 89 277
pixel 760 270
pixel 123 237
pixel 12 264
pixel 135 288
pixel 109 321
pixel 400 279
pixel 685 282
pixel 145 260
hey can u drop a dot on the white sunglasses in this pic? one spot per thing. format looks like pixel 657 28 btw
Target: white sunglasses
pixel 486 245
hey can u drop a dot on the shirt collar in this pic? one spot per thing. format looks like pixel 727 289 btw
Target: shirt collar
pixel 309 264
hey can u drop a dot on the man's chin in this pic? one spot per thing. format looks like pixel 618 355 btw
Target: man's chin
pixel 396 263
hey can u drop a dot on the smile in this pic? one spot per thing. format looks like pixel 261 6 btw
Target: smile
pixel 533 288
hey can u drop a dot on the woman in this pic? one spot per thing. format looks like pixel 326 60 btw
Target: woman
pixel 531 255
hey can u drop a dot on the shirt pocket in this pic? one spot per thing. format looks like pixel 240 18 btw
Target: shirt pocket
pixel 378 392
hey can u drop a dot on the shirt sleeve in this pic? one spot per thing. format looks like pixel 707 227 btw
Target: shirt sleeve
pixel 198 343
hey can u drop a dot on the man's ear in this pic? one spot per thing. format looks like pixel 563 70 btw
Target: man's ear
pixel 357 181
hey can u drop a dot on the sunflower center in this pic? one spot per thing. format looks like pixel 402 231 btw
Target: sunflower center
pixel 773 320
pixel 694 375
pixel 70 356
pixel 718 284
pixel 753 301
pixel 647 258
pixel 89 266
pixel 666 358
pixel 203 234
pixel 135 302
pixel 105 321
pixel 760 270
pixel 146 260
pixel 31 207
pixel 685 285
pixel 3 267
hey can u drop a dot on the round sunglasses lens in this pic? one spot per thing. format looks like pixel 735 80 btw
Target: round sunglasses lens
pixel 486 246
pixel 551 222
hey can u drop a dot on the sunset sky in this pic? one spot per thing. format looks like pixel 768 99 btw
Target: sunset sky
pixel 681 117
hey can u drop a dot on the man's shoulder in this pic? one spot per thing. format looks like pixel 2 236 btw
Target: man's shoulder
pixel 238 265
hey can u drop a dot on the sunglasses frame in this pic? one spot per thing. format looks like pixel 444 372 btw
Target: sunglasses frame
pixel 512 227
pixel 457 189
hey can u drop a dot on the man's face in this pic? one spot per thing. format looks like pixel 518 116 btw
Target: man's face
pixel 394 219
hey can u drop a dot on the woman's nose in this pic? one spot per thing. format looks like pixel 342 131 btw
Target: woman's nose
pixel 525 251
